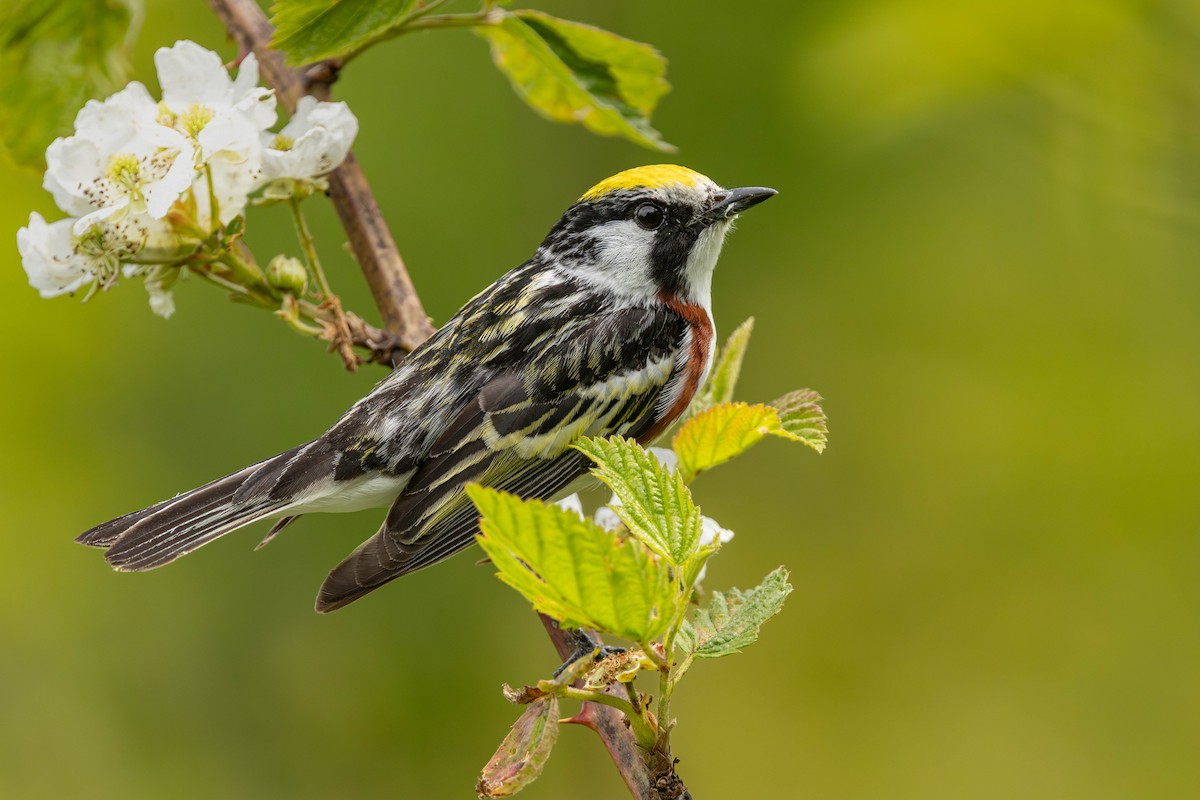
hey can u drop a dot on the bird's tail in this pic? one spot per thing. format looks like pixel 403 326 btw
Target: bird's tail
pixel 165 531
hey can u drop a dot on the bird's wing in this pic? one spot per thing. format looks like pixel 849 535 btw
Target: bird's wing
pixel 599 376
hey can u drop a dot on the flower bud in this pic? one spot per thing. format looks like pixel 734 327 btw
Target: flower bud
pixel 287 274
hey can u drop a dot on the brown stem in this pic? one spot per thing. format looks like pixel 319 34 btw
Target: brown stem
pixel 380 261
pixel 647 775
pixel 372 243
pixel 383 347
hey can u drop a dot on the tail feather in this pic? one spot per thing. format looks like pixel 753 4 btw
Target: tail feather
pixel 151 547
pixel 375 562
pixel 107 534
pixel 165 531
pixel 275 530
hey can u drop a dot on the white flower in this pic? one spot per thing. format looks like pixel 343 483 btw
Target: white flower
pixel 711 532
pixel 49 257
pixel 162 301
pixel 59 262
pixel 190 75
pixel 314 142
pixel 223 116
pixel 605 517
pixel 665 456
pixel 571 503
pixel 119 163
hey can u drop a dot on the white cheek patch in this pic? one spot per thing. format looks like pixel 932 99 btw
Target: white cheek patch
pixel 622 263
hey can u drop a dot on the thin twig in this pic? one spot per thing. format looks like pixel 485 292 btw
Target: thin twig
pixel 372 242
pixel 341 340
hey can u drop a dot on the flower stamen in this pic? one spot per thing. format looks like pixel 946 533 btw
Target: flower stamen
pixel 194 119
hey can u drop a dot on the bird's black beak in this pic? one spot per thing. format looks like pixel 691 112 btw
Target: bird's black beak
pixel 734 201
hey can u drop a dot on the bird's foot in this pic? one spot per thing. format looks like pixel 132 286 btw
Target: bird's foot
pixel 586 645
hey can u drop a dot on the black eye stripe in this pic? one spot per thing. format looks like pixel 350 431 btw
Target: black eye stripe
pixel 675 234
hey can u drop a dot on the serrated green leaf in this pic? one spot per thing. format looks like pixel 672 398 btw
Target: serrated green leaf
pixel 685 638
pixel 725 431
pixel 55 56
pixel 656 505
pixel 802 419
pixel 727 367
pixel 732 620
pixel 572 569
pixel 571 72
pixel 312 30
pixel 523 753
pixel 722 432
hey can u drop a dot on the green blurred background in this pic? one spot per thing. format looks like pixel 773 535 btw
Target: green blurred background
pixel 985 254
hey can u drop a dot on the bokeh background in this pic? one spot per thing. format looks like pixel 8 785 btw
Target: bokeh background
pixel 985 254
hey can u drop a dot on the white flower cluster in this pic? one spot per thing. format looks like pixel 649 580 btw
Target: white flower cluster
pixel 146 182
pixel 606 517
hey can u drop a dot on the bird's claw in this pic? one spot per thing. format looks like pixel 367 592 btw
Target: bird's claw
pixel 585 645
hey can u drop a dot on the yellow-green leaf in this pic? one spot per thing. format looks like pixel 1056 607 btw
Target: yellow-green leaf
pixel 56 55
pixel 311 30
pixel 571 72
pixel 722 432
pixel 520 758
pixel 656 505
pixel 725 431
pixel 802 419
pixel 572 569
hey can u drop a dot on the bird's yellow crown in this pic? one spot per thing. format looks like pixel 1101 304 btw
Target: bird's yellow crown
pixel 654 176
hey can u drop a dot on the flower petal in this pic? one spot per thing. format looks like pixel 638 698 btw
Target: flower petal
pixel 188 73
pixel 162 194
pixel 321 135
pixel 606 518
pixel 665 456
pixel 49 258
pixel 571 503
pixel 712 532
pixel 72 166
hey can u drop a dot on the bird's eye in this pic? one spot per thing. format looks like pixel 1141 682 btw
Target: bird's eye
pixel 648 216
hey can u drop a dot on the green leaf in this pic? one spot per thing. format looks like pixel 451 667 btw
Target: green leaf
pixel 55 56
pixel 802 419
pixel 312 30
pixel 732 620
pixel 727 367
pixel 572 569
pixel 722 432
pixel 656 505
pixel 520 758
pixel 571 72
